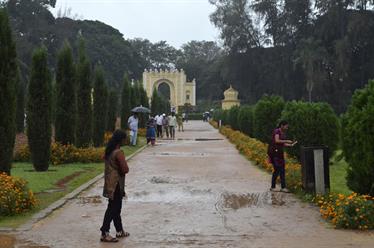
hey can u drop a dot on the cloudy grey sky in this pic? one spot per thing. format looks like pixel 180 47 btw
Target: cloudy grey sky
pixel 176 21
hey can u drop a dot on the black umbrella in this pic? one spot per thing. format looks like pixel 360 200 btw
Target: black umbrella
pixel 141 109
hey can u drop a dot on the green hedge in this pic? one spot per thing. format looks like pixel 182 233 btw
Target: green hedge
pixel 358 141
pixel 311 124
pixel 195 116
pixel 245 120
pixel 232 119
pixel 267 113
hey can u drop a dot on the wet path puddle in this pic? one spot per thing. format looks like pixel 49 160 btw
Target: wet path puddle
pixel 229 201
pixel 181 154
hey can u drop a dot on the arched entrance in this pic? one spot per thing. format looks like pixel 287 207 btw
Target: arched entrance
pixel 172 85
pixel 164 90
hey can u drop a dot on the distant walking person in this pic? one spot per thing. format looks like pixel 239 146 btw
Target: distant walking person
pixel 159 125
pixel 151 131
pixel 165 125
pixel 180 123
pixel 114 186
pixel 172 124
pixel 133 123
pixel 276 155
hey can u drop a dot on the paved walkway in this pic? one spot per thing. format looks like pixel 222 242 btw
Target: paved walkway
pixel 197 191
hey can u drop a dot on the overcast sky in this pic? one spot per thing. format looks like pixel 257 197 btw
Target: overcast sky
pixel 176 21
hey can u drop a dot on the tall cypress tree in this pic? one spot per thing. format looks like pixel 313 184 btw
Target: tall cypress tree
pixel 144 101
pixel 8 87
pixel 66 99
pixel 112 111
pixel 133 96
pixel 125 102
pixel 20 115
pixel 84 101
pixel 100 107
pixel 39 116
pixel 155 103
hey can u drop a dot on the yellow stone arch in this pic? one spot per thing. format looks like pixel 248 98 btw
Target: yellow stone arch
pixel 181 91
pixel 156 85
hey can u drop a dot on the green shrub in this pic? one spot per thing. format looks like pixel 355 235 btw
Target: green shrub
pixel 245 120
pixel 233 117
pixel 358 141
pixel 267 113
pixel 195 116
pixel 225 117
pixel 311 124
pixel 217 115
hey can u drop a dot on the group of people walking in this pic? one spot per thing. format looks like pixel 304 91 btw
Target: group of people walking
pixel 163 126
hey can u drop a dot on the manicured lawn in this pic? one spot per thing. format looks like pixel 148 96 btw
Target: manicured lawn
pixel 338 172
pixel 55 183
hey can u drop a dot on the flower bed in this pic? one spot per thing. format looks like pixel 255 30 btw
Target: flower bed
pixel 353 211
pixel 64 154
pixel 15 197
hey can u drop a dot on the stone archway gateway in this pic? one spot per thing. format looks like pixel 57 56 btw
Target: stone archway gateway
pixel 181 91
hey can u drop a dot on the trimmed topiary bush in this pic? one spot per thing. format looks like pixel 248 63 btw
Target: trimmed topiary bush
pixel 267 113
pixel 245 120
pixel 233 117
pixel 311 124
pixel 358 141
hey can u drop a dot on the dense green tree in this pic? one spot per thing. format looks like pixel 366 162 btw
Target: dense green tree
pixel 112 111
pixel 84 99
pixel 358 141
pixel 134 96
pixel 8 88
pixel 234 19
pixel 20 118
pixel 125 102
pixel 310 56
pixel 144 101
pixel 159 55
pixel 100 107
pixel 39 117
pixel 66 99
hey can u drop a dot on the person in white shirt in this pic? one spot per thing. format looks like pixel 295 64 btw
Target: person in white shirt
pixel 133 123
pixel 159 126
pixel 172 124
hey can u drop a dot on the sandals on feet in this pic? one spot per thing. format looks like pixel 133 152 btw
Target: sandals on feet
pixel 108 239
pixel 122 234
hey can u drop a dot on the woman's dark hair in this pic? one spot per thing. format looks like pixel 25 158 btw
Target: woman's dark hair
pixel 282 123
pixel 117 138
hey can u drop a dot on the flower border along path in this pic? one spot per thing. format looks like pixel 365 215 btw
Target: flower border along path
pixel 61 202
pixel 343 211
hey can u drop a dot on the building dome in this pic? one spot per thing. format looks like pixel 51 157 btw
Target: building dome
pixel 231 94
pixel 231 98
